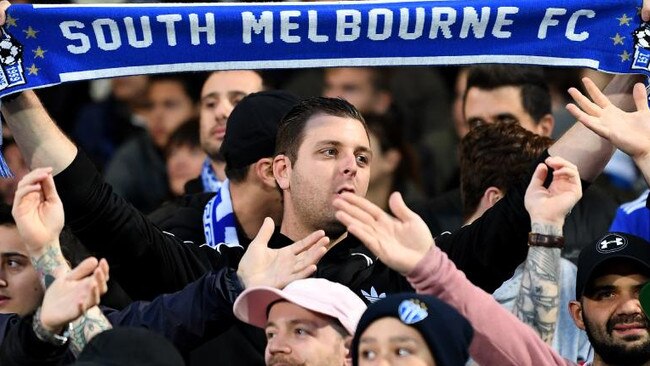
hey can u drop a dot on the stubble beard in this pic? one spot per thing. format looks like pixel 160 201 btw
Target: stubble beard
pixel 618 352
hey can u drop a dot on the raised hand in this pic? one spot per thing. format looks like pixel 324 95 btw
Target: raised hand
pixel 262 266
pixel 38 210
pixel 549 206
pixel 73 293
pixel 628 131
pixel 400 242
pixel 4 5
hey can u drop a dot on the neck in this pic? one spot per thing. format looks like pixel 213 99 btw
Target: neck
pixel 251 204
pixel 380 190
pixel 291 227
pixel 219 168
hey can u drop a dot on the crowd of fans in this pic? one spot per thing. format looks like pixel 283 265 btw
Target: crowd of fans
pixel 336 216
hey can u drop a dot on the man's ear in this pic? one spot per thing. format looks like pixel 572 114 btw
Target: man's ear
pixel 282 171
pixel 264 172
pixel 491 196
pixel 348 348
pixel 392 158
pixel 545 125
pixel 575 309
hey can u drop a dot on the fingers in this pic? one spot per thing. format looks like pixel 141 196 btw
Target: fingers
pixel 359 230
pixel 309 241
pixel 539 176
pixel 264 234
pixel 4 5
pixel 313 255
pixel 304 273
pixel 588 121
pixel 584 103
pixel 640 95
pixel 594 92
pixel 398 207
pixel 84 269
pixel 49 189
pixel 353 210
pixel 363 204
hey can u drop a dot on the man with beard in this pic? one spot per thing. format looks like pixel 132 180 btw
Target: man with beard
pixel 610 276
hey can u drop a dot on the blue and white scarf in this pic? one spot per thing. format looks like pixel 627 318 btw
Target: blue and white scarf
pixel 219 220
pixel 208 178
pixel 44 45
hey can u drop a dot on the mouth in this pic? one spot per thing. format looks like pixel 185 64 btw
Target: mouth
pixel 4 300
pixel 345 189
pixel 218 132
pixel 630 328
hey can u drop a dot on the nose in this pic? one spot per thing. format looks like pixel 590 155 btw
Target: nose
pixel 277 345
pixel 629 304
pixel 222 111
pixel 349 165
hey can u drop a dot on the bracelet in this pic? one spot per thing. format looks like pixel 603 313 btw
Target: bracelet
pixel 548 241
pixel 47 336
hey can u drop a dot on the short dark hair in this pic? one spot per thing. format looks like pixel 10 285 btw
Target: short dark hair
pixel 291 130
pixel 190 81
pixel 389 135
pixel 237 175
pixel 498 155
pixel 186 134
pixel 535 92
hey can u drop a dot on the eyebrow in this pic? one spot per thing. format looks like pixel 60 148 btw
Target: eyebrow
pixel 335 143
pixel 231 93
pixel 295 322
pixel 394 339
pixel 13 254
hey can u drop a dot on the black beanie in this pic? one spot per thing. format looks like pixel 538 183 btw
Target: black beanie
pixel 252 126
pixel 447 333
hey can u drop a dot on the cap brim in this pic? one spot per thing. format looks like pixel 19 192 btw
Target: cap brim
pixel 251 306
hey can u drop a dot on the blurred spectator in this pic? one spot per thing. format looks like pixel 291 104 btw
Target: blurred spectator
pixel 137 171
pixel 102 127
pixel 184 156
pixel 18 167
pixel 394 165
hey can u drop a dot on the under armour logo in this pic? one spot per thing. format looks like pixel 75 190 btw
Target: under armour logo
pixel 611 243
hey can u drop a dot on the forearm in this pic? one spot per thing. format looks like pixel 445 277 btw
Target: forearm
pixel 40 140
pixel 538 299
pixel 21 346
pixel 93 322
pixel 201 311
pixel 499 337
pixel 584 148
pixel 86 327
pixel 643 163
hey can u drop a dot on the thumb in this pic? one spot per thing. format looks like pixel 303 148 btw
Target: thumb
pixel 83 269
pixel 398 207
pixel 264 234
pixel 539 176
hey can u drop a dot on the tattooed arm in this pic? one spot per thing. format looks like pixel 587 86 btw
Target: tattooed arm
pixel 39 219
pixel 537 302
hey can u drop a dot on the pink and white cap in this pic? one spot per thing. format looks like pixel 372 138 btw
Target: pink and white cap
pixel 315 294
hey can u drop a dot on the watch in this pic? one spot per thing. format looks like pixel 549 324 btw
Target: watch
pixel 47 336
pixel 548 241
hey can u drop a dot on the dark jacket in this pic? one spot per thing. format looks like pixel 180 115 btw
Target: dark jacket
pixel 188 318
pixel 148 261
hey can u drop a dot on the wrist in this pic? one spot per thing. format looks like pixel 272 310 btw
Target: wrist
pixel 51 334
pixel 547 227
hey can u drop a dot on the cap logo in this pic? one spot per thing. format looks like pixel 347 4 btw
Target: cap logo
pixel 611 243
pixel 412 311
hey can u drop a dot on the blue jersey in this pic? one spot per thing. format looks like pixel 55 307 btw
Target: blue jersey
pixel 633 218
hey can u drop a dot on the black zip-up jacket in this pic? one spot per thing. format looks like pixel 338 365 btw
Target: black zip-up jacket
pixel 148 261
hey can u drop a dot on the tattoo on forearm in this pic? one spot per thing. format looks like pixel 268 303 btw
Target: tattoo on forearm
pixel 546 229
pixel 86 327
pixel 539 296
pixel 47 262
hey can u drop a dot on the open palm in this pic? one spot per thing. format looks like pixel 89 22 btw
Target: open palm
pixel 399 241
